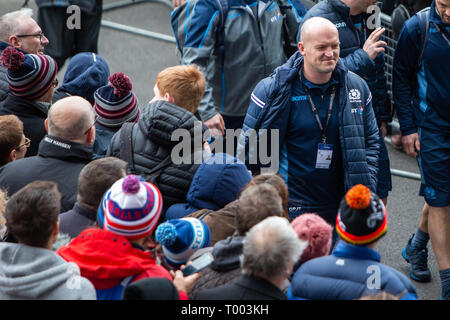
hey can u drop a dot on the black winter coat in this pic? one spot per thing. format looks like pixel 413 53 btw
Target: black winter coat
pixel 244 288
pixel 58 160
pixel 33 117
pixel 152 144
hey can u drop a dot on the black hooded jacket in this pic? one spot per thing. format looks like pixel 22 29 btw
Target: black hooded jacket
pixel 152 144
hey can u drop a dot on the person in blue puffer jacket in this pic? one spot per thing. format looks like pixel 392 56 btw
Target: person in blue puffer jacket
pixel 421 90
pixel 283 102
pixel 363 53
pixel 217 182
pixel 354 269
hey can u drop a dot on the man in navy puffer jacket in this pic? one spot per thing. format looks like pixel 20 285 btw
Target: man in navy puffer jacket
pixel 362 53
pixel 282 102
pixel 354 269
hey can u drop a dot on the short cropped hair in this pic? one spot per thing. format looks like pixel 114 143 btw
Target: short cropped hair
pixel 185 83
pixel 32 213
pixel 270 247
pixel 279 184
pixel 97 177
pixel 10 23
pixel 11 132
pixel 255 204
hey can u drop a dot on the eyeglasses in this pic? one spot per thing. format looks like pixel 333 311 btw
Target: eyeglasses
pixel 27 144
pixel 40 35
pixel 95 121
pixel 55 82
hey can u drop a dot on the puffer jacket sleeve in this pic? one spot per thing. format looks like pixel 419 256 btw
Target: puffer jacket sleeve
pixel 199 46
pixel 246 149
pixel 403 77
pixel 359 62
pixel 372 138
pixel 383 109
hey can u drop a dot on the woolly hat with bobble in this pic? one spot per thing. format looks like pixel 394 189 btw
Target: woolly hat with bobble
pixel 316 231
pixel 362 217
pixel 130 208
pixel 180 238
pixel 115 103
pixel 30 76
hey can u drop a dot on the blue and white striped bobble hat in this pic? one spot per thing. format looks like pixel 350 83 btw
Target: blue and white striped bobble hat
pixel 180 238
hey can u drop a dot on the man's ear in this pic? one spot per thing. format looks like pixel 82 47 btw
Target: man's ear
pixel 14 41
pixel 169 98
pixel 56 229
pixel 301 48
pixel 46 125
pixel 12 155
pixel 90 136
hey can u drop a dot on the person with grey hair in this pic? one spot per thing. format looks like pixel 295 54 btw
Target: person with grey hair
pixel 62 154
pixel 20 30
pixel 270 251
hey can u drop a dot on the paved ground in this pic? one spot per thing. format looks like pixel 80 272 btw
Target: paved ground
pixel 142 58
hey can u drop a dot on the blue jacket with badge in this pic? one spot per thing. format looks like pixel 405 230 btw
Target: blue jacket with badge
pixel 422 94
pixel 349 273
pixel 359 136
pixel 354 57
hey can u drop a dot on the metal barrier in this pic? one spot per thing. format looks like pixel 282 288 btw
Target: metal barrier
pixel 134 30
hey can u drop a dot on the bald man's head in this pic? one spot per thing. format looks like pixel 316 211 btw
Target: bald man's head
pixel 70 118
pixel 314 26
pixel 319 45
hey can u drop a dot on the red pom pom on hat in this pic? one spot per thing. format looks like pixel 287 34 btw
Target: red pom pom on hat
pixel 12 58
pixel 121 83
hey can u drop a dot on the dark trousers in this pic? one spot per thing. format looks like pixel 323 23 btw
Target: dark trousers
pixel 64 42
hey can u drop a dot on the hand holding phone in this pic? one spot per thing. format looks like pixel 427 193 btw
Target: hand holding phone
pixel 198 264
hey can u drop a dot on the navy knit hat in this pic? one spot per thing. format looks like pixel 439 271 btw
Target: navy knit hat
pixel 180 238
pixel 30 76
pixel 85 73
pixel 115 103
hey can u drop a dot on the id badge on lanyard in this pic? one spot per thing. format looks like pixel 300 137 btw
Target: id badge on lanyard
pixel 324 156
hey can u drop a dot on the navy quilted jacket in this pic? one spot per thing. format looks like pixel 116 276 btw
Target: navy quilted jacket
pixel 349 273
pixel 353 56
pixel 359 136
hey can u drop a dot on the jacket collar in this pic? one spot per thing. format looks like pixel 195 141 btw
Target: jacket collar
pixel 4 45
pixel 53 147
pixel 347 250
pixel 227 253
pixel 340 7
pixel 85 211
pixel 260 285
pixel 19 104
